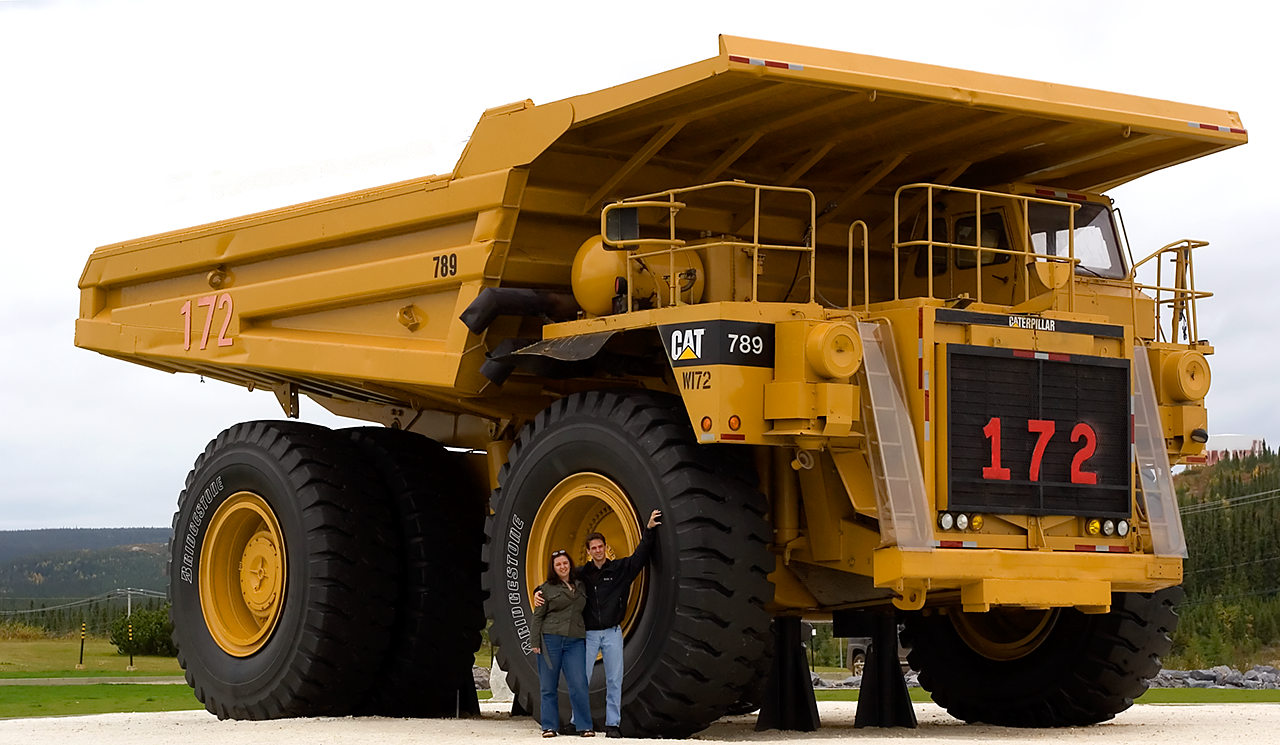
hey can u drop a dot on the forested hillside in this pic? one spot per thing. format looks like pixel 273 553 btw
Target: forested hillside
pixel 1231 514
pixel 80 574
pixel 15 543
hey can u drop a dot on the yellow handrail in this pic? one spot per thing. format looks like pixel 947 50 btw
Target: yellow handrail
pixel 1023 199
pixel 1181 296
pixel 866 266
pixel 675 245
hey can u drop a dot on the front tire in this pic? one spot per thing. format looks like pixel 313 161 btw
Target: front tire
pixel 696 635
pixel 281 575
pixel 1056 668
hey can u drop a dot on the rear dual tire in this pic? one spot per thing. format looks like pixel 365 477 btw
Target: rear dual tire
pixel 285 574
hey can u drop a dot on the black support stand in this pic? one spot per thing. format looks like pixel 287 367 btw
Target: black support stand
pixel 789 703
pixel 883 700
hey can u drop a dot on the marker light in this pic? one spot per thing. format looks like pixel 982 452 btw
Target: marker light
pixel 706 424
pixel 1108 527
pixel 975 522
pixel 1122 528
pixel 735 423
pixel 962 522
pixel 1093 527
pixel 945 521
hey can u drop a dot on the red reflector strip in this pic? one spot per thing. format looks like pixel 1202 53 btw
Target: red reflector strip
pixel 1062 194
pixel 1216 128
pixel 1197 459
pixel 955 544
pixel 732 437
pixel 1033 355
pixel 765 63
pixel 1103 549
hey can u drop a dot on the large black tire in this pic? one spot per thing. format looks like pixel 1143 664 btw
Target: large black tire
pixel 1083 670
pixel 292 494
pixel 439 611
pixel 702 632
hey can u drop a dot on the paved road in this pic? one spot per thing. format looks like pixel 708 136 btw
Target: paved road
pixel 1184 725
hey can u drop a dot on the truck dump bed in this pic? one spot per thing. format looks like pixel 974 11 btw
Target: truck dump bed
pixel 356 298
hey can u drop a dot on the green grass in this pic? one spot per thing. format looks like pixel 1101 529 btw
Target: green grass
pixel 79 700
pixel 1208 696
pixel 57 658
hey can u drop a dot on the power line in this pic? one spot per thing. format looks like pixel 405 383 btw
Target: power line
pixel 1233 566
pixel 1240 501
pixel 109 595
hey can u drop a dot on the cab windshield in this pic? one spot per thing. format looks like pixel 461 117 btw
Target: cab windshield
pixel 1095 236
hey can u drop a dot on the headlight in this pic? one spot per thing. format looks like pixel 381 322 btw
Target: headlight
pixel 1108 527
pixel 1122 528
pixel 1093 527
pixel 962 522
pixel 975 522
pixel 945 521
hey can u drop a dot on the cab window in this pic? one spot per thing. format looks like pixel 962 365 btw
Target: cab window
pixel 994 235
pixel 939 251
pixel 1095 237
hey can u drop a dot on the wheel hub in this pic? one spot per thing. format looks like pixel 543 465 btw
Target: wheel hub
pixel 242 574
pixel 582 504
pixel 1005 634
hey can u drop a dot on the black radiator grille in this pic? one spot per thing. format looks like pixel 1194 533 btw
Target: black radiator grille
pixel 1017 396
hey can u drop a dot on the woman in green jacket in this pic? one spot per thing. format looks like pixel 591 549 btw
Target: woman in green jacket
pixel 559 635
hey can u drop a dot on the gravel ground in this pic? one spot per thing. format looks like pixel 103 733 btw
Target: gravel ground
pixel 1143 723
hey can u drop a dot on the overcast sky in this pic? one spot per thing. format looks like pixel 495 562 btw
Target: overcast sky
pixel 120 119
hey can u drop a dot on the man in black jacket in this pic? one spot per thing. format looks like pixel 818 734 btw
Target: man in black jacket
pixel 608 582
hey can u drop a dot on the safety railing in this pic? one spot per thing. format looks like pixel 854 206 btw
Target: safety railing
pixel 619 226
pixel 1180 297
pixel 929 243
pixel 856 227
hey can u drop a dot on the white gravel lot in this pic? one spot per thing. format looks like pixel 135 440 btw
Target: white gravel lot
pixel 1179 724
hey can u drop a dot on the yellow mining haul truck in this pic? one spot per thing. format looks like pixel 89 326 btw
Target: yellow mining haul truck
pixel 866 332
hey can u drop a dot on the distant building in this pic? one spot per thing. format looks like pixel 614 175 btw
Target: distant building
pixel 1221 447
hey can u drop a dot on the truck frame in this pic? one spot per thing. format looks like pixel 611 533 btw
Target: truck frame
pixel 866 331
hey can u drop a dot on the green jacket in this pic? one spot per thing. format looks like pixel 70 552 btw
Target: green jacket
pixel 560 613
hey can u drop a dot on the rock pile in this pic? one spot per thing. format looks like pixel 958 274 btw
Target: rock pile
pixel 1258 678
pixel 1261 676
pixel 855 681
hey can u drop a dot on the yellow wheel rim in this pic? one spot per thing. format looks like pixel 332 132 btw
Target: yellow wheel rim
pixel 578 506
pixel 1005 634
pixel 242 574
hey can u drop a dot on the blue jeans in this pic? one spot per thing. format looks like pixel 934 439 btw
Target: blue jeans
pixel 610 641
pixel 563 654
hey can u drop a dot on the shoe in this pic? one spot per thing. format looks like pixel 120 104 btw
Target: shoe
pixel 612 732
pixel 588 733
pixel 548 733
pixel 568 730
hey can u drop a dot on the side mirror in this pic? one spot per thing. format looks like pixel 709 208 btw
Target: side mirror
pixel 622 224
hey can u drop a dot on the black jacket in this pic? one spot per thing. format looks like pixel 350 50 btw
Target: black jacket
pixel 608 585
